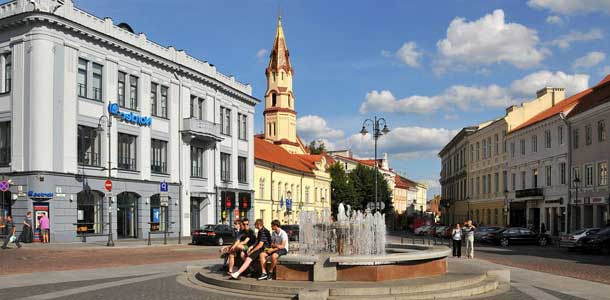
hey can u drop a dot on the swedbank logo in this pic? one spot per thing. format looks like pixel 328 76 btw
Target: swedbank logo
pixel 130 117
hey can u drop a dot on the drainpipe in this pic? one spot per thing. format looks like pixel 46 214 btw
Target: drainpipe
pixel 569 171
pixel 179 158
pixel 216 202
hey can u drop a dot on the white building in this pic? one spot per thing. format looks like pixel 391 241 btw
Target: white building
pixel 175 119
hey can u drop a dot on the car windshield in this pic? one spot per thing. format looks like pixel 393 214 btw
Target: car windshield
pixel 208 227
pixel 577 232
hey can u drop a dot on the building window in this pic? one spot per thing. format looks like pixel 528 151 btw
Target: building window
pixel 512 149
pixel 127 152
pixel 575 175
pixel 196 162
pixel 121 89
pixel 513 181
pixel 484 184
pixel 8 73
pixel 96 81
pixel 560 134
pixel 5 143
pixel 589 175
pixel 601 131
pixel 201 109
pixel 522 147
pixel 496 144
pixel 503 141
pixel 535 178
pixel 547 170
pixel 478 185
pixel 273 99
pixel 307 194
pixel 261 187
pixel 133 92
pixel 588 135
pixel 192 107
pixel 225 167
pixel 602 173
pixel 225 121
pixel 89 144
pixel 489 147
pixel 154 97
pixel 471 152
pixel 89 205
pixel 547 139
pixel 534 143
pixel 158 156
pixel 164 92
pixel 478 152
pixel 562 173
pixel 575 136
pixel 242 124
pixel 504 179
pixel 484 148
pixel 522 180
pixel 81 78
pixel 497 182
pixel 242 169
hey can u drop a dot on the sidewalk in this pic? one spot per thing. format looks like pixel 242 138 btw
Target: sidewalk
pixel 120 243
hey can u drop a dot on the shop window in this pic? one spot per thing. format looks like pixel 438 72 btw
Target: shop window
pixel 5 143
pixel 89 212
pixel 158 214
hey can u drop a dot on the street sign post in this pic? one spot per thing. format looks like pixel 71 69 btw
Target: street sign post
pixel 4 185
pixel 164 199
pixel 108 185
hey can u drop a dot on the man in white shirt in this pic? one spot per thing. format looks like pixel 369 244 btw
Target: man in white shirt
pixel 279 247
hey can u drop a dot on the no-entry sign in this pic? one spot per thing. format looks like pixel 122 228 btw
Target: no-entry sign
pixel 108 185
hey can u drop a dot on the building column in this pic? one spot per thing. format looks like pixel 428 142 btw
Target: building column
pixel 582 217
pixel 595 222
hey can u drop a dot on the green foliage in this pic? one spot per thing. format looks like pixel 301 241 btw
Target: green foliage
pixel 317 147
pixel 358 187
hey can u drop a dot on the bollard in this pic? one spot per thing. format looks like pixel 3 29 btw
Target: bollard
pixel 149 238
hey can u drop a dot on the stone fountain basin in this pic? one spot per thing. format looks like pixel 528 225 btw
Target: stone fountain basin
pixel 400 262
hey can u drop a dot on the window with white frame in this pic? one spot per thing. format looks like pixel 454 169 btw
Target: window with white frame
pixel 496 144
pixel 522 147
pixel 575 176
pixel 96 81
pixel 575 137
pixel 562 173
pixel 225 121
pixel 547 139
pixel 513 181
pixel 225 167
pixel 588 135
pixel 242 169
pixel 164 102
pixel 158 156
pixel 601 131
pixel 197 160
pixel 201 108
pixel 81 78
pixel 484 148
pixel 121 91
pixel 589 175
pixel 5 143
pixel 560 135
pixel 6 61
pixel 488 147
pixel 547 171
pixel 242 126
pixel 133 93
pixel 127 151
pixel 154 98
pixel 535 143
pixel 602 173
pixel 158 99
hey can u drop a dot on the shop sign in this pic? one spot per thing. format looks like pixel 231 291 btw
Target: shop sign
pixel 129 117
pixel 598 200
pixel 33 194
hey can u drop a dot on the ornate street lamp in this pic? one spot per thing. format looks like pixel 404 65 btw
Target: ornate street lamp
pixel 376 124
pixel 106 120
pixel 577 185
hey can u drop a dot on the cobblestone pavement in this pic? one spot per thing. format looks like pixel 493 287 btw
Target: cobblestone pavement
pixel 41 259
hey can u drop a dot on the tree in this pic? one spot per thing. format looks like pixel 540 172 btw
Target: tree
pixel 342 191
pixel 363 180
pixel 317 147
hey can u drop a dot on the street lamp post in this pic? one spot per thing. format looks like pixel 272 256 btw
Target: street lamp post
pixel 108 122
pixel 577 185
pixel 376 123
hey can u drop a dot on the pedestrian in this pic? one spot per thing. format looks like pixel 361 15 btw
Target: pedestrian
pixel 44 227
pixel 542 228
pixel 10 232
pixel 456 236
pixel 469 232
pixel 27 234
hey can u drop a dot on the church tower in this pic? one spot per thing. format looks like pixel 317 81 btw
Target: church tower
pixel 280 116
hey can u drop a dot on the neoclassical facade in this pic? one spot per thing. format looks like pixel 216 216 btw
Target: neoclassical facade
pixel 180 131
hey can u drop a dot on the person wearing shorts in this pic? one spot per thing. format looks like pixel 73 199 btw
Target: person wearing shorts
pixel 263 241
pixel 240 247
pixel 279 247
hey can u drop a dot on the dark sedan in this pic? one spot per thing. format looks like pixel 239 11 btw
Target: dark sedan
pixel 482 234
pixel 596 242
pixel 518 235
pixel 292 231
pixel 213 234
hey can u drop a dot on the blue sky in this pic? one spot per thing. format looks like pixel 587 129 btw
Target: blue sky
pixel 428 67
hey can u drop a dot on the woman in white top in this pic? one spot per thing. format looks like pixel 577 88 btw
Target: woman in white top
pixel 456 236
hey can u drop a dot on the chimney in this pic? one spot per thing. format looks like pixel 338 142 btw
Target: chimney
pixel 554 95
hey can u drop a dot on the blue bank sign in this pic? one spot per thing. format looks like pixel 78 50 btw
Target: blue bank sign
pixel 33 194
pixel 130 117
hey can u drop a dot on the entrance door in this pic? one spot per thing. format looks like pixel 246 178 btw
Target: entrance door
pixel 127 215
pixel 195 213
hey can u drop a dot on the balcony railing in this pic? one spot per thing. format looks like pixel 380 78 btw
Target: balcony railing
pixel 535 192
pixel 202 129
pixel 126 163
pixel 82 90
pixel 158 167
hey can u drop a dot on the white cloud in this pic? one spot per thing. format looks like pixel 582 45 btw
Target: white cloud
pixel 408 54
pixel 590 60
pixel 604 71
pixel 566 40
pixel 262 53
pixel 489 40
pixel 313 127
pixel 556 20
pixel 528 85
pixel 431 183
pixel 572 7
pixel 474 97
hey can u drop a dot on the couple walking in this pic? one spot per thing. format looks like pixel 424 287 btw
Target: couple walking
pixel 458 233
pixel 11 229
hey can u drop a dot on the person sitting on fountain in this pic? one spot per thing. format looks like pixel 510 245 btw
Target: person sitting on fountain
pixel 240 247
pixel 263 241
pixel 279 247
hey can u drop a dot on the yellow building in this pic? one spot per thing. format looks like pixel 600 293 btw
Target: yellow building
pixel 288 179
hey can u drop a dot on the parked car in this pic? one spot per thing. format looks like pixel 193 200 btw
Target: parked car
pixel 432 230
pixel 438 232
pixel 213 234
pixel 447 232
pixel 482 233
pixel 421 230
pixel 292 231
pixel 518 235
pixel 599 241
pixel 570 240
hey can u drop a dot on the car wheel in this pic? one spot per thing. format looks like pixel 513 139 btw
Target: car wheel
pixel 504 242
pixel 543 242
pixel 606 249
pixel 220 241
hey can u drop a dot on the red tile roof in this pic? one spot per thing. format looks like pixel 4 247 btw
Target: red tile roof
pixel 600 94
pixel 277 155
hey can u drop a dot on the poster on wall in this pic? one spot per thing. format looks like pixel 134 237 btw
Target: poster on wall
pixel 81 215
pixel 156 215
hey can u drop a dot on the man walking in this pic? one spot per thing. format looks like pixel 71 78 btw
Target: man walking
pixel 469 232
pixel 10 231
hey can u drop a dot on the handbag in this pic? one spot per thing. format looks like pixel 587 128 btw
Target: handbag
pixel 12 239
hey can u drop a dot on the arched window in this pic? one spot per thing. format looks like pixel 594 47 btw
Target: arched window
pixel 273 100
pixel 89 212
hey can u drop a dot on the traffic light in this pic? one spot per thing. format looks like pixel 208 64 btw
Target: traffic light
pixel 244 201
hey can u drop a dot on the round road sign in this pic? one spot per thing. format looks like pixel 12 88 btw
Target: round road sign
pixel 108 185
